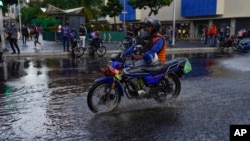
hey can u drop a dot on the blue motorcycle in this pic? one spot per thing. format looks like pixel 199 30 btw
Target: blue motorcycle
pixel 160 82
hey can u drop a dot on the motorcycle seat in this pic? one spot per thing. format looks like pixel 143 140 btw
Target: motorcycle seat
pixel 161 69
pixel 152 69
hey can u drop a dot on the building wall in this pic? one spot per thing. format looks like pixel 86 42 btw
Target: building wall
pixel 227 8
pixel 232 13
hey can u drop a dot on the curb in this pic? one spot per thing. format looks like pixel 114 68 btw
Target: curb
pixel 169 50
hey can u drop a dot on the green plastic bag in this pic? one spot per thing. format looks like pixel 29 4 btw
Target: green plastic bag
pixel 187 67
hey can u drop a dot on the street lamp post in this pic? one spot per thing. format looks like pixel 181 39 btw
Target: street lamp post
pixel 173 34
pixel 19 14
pixel 1 28
pixel 124 12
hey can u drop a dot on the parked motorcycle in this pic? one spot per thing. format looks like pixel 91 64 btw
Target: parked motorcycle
pixel 228 42
pixel 243 46
pixel 96 46
pixel 77 49
pixel 128 41
pixel 160 82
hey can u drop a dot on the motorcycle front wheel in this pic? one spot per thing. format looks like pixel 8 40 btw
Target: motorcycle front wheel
pixel 102 98
pixel 78 51
pixel 101 51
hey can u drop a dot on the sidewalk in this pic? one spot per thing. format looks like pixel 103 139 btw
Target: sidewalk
pixel 56 48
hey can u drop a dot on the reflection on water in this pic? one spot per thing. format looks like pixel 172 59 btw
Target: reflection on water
pixel 201 63
pixel 36 88
pixel 45 98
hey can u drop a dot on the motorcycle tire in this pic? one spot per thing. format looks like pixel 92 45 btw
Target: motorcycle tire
pixel 174 80
pixel 102 98
pixel 173 88
pixel 101 51
pixel 78 51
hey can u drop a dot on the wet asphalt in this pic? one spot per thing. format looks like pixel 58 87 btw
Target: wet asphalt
pixel 48 101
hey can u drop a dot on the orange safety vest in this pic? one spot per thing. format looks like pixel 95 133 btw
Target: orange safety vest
pixel 162 53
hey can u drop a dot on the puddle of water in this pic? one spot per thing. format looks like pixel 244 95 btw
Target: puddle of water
pixel 45 98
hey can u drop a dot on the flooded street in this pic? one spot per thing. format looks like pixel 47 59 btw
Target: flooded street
pixel 45 99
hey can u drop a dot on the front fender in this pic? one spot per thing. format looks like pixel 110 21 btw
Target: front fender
pixel 110 80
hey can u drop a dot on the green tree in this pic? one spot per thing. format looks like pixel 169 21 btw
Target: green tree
pixel 32 12
pixel 89 10
pixel 112 9
pixel 6 3
pixel 154 5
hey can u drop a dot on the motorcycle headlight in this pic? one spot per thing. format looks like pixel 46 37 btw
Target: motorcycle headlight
pixel 243 43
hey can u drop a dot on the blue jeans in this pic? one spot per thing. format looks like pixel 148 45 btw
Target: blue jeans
pixel 65 43
pixel 212 41
pixel 206 39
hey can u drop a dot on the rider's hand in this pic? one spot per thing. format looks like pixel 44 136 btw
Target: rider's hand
pixel 137 57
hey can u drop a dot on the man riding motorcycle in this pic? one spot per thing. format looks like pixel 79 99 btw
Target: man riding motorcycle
pixel 156 45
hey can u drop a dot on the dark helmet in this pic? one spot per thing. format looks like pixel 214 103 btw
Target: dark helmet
pixel 153 22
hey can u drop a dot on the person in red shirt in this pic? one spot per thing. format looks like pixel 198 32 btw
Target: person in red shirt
pixel 212 35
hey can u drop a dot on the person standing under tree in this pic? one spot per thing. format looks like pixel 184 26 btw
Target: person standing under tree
pixel 66 36
pixel 13 31
pixel 36 36
pixel 82 34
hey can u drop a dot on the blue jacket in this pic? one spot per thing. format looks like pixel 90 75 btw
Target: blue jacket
pixel 155 48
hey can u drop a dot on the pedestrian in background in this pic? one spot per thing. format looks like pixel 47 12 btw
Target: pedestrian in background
pixel 36 36
pixel 25 34
pixel 66 36
pixel 82 34
pixel 30 32
pixel 212 35
pixel 90 31
pixel 169 34
pixel 227 32
pixel 59 32
pixel 13 31
pixel 205 34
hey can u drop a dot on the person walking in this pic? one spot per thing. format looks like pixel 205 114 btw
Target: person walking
pixel 25 34
pixel 169 34
pixel 82 34
pixel 66 36
pixel 36 36
pixel 13 38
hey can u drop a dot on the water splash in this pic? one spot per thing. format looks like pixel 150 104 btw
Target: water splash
pixel 237 63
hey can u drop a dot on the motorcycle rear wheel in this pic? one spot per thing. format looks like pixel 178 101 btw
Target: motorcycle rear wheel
pixel 78 51
pixel 101 51
pixel 173 88
pixel 102 98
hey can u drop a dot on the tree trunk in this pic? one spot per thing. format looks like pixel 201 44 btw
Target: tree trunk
pixel 114 22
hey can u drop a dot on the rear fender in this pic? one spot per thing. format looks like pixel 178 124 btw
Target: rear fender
pixel 179 67
pixel 110 81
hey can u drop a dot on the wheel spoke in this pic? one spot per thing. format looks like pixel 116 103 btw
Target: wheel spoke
pixel 102 98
